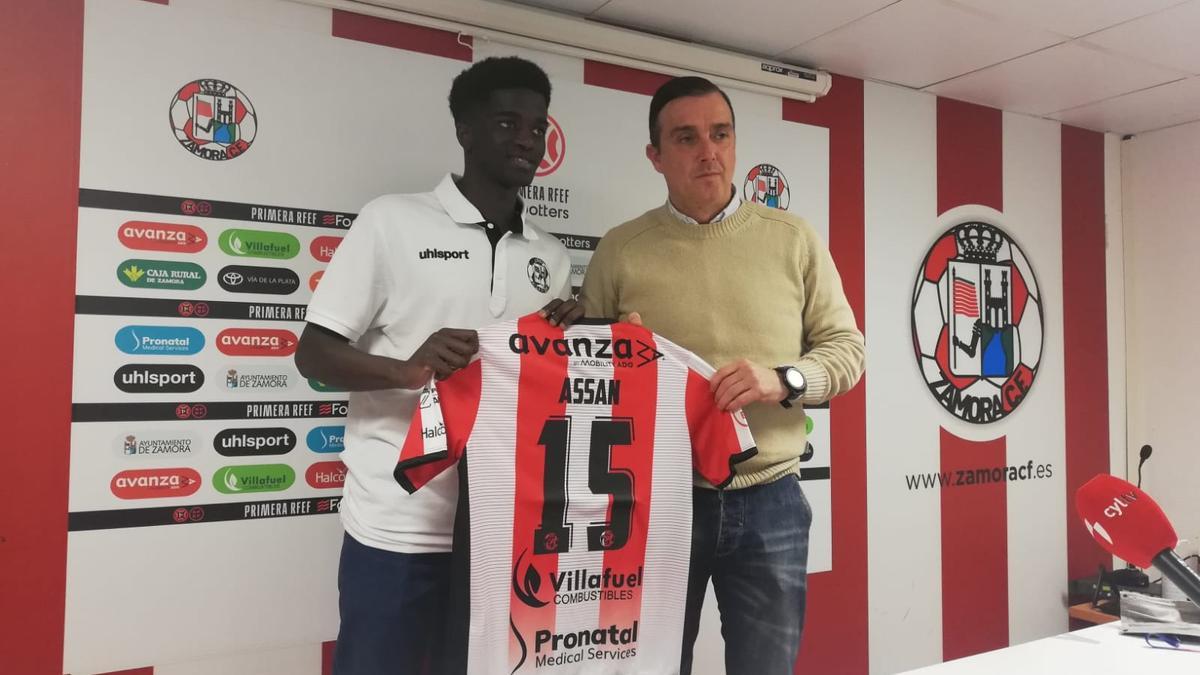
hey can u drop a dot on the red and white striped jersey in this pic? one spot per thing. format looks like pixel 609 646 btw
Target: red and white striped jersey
pixel 576 451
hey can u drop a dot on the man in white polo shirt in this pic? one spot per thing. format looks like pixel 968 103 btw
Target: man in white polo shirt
pixel 397 305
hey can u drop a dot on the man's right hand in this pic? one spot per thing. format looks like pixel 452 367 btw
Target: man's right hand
pixel 439 356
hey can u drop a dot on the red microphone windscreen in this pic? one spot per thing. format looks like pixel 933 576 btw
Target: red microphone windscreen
pixel 1124 520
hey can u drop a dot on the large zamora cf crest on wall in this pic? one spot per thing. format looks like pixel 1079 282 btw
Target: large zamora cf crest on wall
pixel 977 321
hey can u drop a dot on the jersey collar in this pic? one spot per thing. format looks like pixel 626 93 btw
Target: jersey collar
pixel 462 211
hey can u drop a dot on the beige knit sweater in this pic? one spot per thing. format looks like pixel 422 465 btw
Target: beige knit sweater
pixel 760 285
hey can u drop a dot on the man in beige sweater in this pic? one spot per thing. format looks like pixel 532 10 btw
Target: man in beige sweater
pixel 753 291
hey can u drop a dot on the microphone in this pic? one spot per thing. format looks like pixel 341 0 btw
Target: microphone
pixel 1145 455
pixel 1127 523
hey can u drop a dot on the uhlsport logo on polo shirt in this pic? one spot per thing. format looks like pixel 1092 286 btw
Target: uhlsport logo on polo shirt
pixel 439 254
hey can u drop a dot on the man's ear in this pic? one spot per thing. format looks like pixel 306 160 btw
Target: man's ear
pixel 655 156
pixel 462 131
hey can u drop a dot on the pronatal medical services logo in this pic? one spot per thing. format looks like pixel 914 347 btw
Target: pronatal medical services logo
pixel 556 149
pixel 977 319
pixel 213 119
pixel 766 185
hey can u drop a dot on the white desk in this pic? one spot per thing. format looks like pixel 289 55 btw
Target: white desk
pixel 1099 650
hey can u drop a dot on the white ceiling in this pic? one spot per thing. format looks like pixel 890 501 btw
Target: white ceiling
pixel 1125 66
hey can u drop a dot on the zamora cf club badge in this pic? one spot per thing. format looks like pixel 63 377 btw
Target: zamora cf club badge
pixel 977 322
pixel 213 119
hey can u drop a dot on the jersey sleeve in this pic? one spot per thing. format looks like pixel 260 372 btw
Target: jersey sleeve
pixel 441 425
pixel 719 439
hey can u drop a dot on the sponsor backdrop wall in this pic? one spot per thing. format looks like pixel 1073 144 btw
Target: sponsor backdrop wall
pixel 224 148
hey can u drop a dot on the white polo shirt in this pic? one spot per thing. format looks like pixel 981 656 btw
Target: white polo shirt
pixel 412 264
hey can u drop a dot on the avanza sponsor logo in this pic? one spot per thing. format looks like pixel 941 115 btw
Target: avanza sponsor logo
pixel 256 342
pixel 259 244
pixel 326 475
pixel 254 442
pixel 155 483
pixel 159 340
pixel 147 236
pixel 156 444
pixel 155 378
pixel 322 248
pixel 175 276
pixel 253 478
pixel 266 280
pixel 327 439
pixel 254 379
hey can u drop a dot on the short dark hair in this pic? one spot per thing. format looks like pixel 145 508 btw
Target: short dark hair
pixel 474 86
pixel 678 87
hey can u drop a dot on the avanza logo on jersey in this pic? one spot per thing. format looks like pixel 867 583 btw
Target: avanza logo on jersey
pixel 256 342
pixel 593 351
pixel 155 483
pixel 145 236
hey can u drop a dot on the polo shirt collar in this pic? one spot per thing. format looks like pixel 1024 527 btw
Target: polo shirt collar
pixel 462 211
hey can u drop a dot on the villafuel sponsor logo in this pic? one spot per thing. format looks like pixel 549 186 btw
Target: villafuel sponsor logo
pixel 266 280
pixel 155 483
pixel 254 442
pixel 256 342
pixel 253 478
pixel 327 439
pixel 154 378
pixel 159 340
pixel 147 236
pixel 259 244
pixel 176 276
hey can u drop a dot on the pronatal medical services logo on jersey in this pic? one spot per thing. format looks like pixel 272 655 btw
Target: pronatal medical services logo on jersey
pixel 213 119
pixel 977 319
pixel 556 149
pixel 766 185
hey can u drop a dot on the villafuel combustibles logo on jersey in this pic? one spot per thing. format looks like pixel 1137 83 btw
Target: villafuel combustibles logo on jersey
pixel 977 321
pixel 213 119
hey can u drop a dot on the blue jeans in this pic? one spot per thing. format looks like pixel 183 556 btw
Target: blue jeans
pixel 753 544
pixel 393 611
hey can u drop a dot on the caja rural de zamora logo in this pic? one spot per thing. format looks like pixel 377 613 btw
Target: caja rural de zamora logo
pixel 212 119
pixel 977 321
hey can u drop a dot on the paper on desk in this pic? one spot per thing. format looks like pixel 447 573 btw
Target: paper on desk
pixel 1147 614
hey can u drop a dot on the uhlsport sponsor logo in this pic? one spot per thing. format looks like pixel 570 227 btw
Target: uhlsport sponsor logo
pixel 326 475
pixel 153 443
pixel 155 483
pixel 244 243
pixel 254 442
pixel 145 236
pixel 256 342
pixel 318 385
pixel 253 478
pixel 322 248
pixel 155 378
pixel 171 275
pixel 255 379
pixel 977 319
pixel 556 149
pixel 212 119
pixel 266 280
pixel 159 340
pixel 327 439
pixel 766 185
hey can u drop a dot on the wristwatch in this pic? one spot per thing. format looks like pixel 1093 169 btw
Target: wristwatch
pixel 793 381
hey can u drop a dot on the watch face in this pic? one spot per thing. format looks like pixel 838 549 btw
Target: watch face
pixel 795 378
